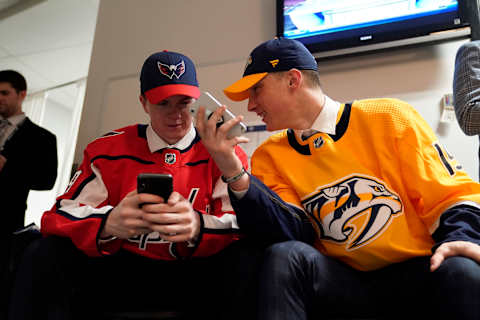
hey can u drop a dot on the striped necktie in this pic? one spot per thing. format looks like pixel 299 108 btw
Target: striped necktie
pixel 4 125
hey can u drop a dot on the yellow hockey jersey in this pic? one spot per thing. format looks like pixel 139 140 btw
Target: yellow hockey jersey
pixel 375 190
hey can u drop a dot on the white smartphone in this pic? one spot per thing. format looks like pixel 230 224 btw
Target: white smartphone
pixel 211 104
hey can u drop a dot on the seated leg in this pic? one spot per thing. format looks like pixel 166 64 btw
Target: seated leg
pixel 298 282
pixel 41 289
pixel 456 289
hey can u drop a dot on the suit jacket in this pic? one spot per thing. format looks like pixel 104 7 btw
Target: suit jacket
pixel 466 88
pixel 31 165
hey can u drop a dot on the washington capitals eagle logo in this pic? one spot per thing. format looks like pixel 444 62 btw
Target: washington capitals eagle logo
pixel 354 211
pixel 173 70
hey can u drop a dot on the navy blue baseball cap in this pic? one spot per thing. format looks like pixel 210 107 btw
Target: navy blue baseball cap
pixel 279 54
pixel 167 73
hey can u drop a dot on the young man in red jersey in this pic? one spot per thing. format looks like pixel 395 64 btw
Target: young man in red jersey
pixel 371 217
pixel 117 249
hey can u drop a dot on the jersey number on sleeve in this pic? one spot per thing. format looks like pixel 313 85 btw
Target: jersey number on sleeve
pixel 448 160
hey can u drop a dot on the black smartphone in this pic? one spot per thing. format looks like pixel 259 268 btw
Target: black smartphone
pixel 155 183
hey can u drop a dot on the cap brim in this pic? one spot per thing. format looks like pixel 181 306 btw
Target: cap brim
pixel 160 93
pixel 239 90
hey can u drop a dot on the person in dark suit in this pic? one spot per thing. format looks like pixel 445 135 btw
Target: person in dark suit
pixel 28 161
pixel 466 88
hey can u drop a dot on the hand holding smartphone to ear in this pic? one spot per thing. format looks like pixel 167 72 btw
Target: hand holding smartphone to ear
pixel 208 100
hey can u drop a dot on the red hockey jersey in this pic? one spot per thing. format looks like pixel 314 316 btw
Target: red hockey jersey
pixel 109 171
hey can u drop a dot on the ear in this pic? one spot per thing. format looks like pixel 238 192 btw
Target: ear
pixel 22 94
pixel 143 101
pixel 295 78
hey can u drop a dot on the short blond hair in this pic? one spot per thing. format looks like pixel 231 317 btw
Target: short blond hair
pixel 312 77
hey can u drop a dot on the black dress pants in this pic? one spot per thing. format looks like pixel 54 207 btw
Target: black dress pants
pixel 56 281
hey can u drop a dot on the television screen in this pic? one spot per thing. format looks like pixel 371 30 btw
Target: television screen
pixel 330 27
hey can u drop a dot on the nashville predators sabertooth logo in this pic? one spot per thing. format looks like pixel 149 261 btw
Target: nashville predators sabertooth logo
pixel 342 203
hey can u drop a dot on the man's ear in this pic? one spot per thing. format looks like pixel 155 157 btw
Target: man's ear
pixel 295 78
pixel 143 101
pixel 22 94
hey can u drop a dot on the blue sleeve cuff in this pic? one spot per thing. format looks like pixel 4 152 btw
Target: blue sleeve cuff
pixel 458 223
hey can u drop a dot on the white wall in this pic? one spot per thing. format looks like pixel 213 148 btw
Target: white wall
pixel 218 35
pixel 58 120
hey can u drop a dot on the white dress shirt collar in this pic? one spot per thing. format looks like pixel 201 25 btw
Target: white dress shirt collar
pixel 326 121
pixel 156 143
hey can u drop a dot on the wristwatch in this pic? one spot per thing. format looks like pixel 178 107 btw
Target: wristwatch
pixel 234 178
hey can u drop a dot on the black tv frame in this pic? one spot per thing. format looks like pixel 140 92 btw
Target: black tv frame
pixel 387 38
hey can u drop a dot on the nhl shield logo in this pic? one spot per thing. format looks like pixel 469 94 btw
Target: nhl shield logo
pixel 318 142
pixel 170 158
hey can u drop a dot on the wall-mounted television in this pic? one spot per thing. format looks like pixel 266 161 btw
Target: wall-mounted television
pixel 340 27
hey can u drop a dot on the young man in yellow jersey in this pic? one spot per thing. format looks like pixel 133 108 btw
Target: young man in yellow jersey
pixel 366 212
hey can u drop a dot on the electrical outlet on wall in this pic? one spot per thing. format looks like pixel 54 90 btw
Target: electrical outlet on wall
pixel 448 112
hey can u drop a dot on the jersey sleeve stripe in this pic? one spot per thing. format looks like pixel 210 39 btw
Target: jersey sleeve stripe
pixel 79 214
pixel 196 163
pixel 79 189
pixel 227 221
pixel 220 231
pixel 88 196
pixel 120 157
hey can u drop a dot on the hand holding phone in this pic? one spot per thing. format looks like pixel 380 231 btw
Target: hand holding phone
pixel 211 104
pixel 155 183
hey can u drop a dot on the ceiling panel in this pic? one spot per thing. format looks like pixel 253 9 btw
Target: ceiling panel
pixel 50 25
pixel 50 42
pixel 60 65
pixel 65 96
pixel 35 80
